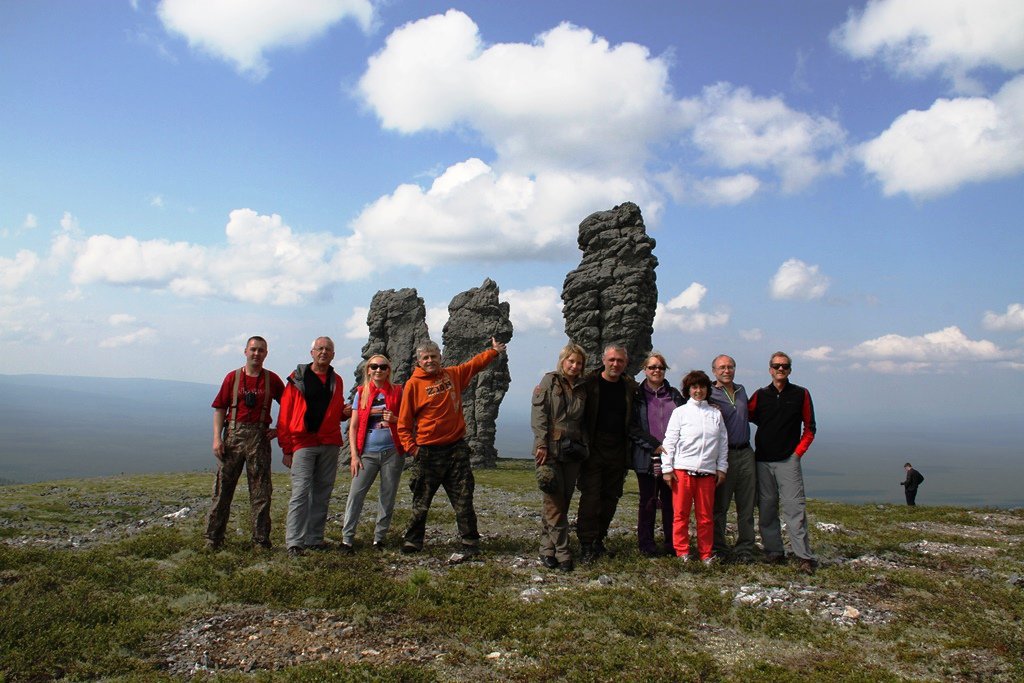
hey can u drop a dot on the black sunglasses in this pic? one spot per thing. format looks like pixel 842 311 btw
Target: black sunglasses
pixel 378 366
pixel 781 366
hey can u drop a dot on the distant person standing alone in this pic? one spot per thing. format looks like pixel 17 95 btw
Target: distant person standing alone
pixel 910 484
pixel 241 438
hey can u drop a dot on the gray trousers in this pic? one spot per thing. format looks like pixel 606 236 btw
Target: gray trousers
pixel 782 484
pixel 388 463
pixel 313 473
pixel 740 483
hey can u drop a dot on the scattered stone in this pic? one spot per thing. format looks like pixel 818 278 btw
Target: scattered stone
pixel 613 294
pixel 829 528
pixel 180 514
pixel 474 316
pixel 1016 580
pixel 494 655
pixel 605 580
pixel 531 594
pixel 830 605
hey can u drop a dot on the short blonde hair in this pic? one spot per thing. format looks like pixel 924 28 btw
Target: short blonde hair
pixel 571 349
pixel 656 354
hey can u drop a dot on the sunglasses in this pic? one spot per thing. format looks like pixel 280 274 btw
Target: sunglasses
pixel 378 366
pixel 781 366
pixel 652 368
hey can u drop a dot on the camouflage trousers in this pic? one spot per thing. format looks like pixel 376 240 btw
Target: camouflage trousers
pixel 447 466
pixel 246 446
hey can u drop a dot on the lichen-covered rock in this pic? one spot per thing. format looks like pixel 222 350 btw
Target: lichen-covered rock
pixel 612 296
pixel 474 316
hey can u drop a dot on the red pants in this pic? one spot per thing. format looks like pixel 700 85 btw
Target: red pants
pixel 697 493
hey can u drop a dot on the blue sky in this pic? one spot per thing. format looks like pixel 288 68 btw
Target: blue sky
pixel 839 180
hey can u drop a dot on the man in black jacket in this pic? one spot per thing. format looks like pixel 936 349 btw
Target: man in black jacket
pixel 911 483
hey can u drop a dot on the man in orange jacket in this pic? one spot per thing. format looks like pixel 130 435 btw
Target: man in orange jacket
pixel 309 431
pixel 431 427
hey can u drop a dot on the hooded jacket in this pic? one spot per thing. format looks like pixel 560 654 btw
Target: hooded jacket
pixel 431 412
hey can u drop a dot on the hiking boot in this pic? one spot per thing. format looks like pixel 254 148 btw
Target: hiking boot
pixel 409 549
pixel 378 546
pixel 262 545
pixel 296 551
pixel 806 567
pixel 587 554
pixel 470 551
pixel 213 546
pixel 346 549
pixel 549 561
pixel 566 566
pixel 775 558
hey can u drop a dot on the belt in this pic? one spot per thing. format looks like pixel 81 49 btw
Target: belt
pixel 694 473
pixel 443 448
pixel 739 446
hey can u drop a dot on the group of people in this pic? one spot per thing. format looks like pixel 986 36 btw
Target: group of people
pixel 387 422
pixel 690 450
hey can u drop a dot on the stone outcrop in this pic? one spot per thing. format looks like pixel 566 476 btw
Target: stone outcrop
pixel 398 323
pixel 612 296
pixel 474 316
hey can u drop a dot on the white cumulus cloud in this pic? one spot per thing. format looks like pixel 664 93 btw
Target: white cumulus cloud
pixel 568 140
pixel 950 36
pixel 472 212
pixel 145 335
pixel 262 261
pixel 241 32
pixel 738 130
pixel 683 312
pixel 355 325
pixel 955 141
pixel 539 308
pixel 539 105
pixel 15 271
pixel 948 345
pixel 798 280
pixel 1012 320
pixel 821 353
pixel 437 316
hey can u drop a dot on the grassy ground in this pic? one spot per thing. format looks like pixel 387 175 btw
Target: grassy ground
pixel 98 584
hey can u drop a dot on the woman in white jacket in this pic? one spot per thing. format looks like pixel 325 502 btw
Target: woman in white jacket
pixel 695 461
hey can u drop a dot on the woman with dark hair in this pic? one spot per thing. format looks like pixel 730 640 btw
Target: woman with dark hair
pixel 654 401
pixel 559 449
pixel 374 445
pixel 695 462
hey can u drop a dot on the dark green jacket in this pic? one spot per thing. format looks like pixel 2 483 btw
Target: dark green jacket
pixel 557 413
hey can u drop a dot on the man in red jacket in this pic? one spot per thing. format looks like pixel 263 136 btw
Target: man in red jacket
pixel 431 427
pixel 309 431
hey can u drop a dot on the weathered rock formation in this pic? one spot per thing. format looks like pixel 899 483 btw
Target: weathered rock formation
pixel 474 317
pixel 612 296
pixel 397 322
